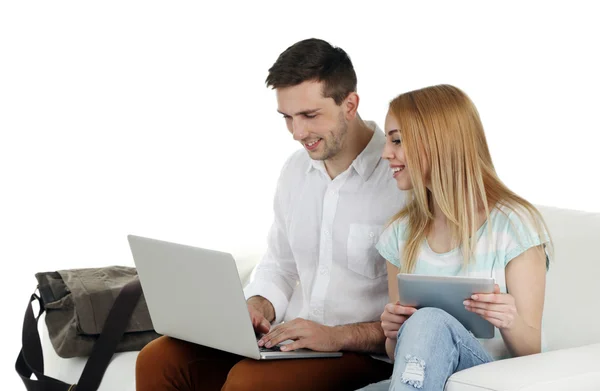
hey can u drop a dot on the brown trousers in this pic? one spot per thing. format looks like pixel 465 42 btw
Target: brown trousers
pixel 170 364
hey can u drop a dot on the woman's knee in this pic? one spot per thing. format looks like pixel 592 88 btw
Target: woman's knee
pixel 426 319
pixel 430 314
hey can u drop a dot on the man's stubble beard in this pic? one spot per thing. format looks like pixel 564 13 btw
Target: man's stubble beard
pixel 337 141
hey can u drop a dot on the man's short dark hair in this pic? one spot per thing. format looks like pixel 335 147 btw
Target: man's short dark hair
pixel 315 60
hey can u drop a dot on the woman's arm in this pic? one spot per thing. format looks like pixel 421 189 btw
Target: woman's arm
pixel 394 314
pixel 526 282
pixel 390 342
pixel 518 313
pixel 392 272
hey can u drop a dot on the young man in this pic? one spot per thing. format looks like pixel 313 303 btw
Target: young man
pixel 321 274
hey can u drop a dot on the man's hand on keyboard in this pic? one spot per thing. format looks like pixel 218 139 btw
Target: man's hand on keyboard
pixel 259 322
pixel 305 334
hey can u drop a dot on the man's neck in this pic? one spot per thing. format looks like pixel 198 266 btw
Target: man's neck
pixel 359 135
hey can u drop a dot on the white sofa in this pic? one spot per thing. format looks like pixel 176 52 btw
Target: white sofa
pixel 571 324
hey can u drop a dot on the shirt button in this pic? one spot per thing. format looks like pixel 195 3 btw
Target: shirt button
pixel 326 232
pixel 324 270
pixel 372 234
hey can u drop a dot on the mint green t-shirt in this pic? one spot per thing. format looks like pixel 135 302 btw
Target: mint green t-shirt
pixel 512 234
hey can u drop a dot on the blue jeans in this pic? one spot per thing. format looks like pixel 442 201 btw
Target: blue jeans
pixel 432 345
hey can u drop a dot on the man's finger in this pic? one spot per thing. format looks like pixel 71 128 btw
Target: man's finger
pixel 291 333
pixel 263 326
pixel 267 336
pixel 272 333
pixel 299 344
pixel 277 331
pixel 280 328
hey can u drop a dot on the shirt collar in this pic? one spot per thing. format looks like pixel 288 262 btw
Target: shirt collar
pixel 366 161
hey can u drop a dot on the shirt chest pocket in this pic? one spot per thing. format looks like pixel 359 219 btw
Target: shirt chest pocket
pixel 363 257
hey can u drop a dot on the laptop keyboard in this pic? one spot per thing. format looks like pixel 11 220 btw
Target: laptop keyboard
pixel 271 349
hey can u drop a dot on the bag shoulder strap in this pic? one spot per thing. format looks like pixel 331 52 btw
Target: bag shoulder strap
pixel 30 360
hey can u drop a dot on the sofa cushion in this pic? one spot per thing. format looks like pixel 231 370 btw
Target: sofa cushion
pixel 570 315
pixel 567 369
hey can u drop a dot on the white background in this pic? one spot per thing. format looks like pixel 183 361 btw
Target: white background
pixel 152 117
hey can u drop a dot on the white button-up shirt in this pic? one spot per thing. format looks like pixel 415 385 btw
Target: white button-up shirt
pixel 321 263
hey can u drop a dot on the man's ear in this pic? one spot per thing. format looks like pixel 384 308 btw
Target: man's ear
pixel 350 106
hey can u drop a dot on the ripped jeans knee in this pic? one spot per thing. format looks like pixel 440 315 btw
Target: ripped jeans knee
pixel 414 372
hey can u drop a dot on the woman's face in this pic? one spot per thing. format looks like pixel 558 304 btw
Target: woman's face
pixel 394 153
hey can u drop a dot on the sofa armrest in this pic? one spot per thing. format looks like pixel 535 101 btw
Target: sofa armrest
pixel 565 369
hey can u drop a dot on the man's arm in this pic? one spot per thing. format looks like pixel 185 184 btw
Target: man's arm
pixel 276 275
pixel 361 337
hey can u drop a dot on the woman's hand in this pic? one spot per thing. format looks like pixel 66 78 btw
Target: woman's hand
pixel 393 316
pixel 497 308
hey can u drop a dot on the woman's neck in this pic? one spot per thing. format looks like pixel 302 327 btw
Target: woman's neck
pixel 439 235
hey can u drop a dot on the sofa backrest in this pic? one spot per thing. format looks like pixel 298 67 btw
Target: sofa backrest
pixel 571 309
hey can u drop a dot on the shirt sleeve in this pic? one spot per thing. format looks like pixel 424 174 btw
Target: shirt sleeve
pixel 389 243
pixel 276 275
pixel 522 232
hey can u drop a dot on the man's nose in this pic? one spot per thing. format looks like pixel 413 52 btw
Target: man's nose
pixel 298 131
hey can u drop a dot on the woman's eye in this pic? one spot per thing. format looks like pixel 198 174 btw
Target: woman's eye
pixel 397 142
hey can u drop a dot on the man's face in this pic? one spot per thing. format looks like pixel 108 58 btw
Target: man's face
pixel 316 122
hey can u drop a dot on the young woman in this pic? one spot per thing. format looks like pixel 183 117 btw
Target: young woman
pixel 461 221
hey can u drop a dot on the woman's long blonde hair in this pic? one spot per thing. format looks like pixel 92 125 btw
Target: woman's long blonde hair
pixel 440 128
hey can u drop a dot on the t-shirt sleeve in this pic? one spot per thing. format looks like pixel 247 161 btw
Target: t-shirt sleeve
pixel 520 233
pixel 389 244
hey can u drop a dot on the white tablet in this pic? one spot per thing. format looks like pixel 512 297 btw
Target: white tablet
pixel 448 294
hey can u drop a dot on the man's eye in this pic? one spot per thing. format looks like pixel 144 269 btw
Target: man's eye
pixel 310 116
pixel 286 117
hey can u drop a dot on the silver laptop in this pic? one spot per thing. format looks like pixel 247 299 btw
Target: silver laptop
pixel 196 295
